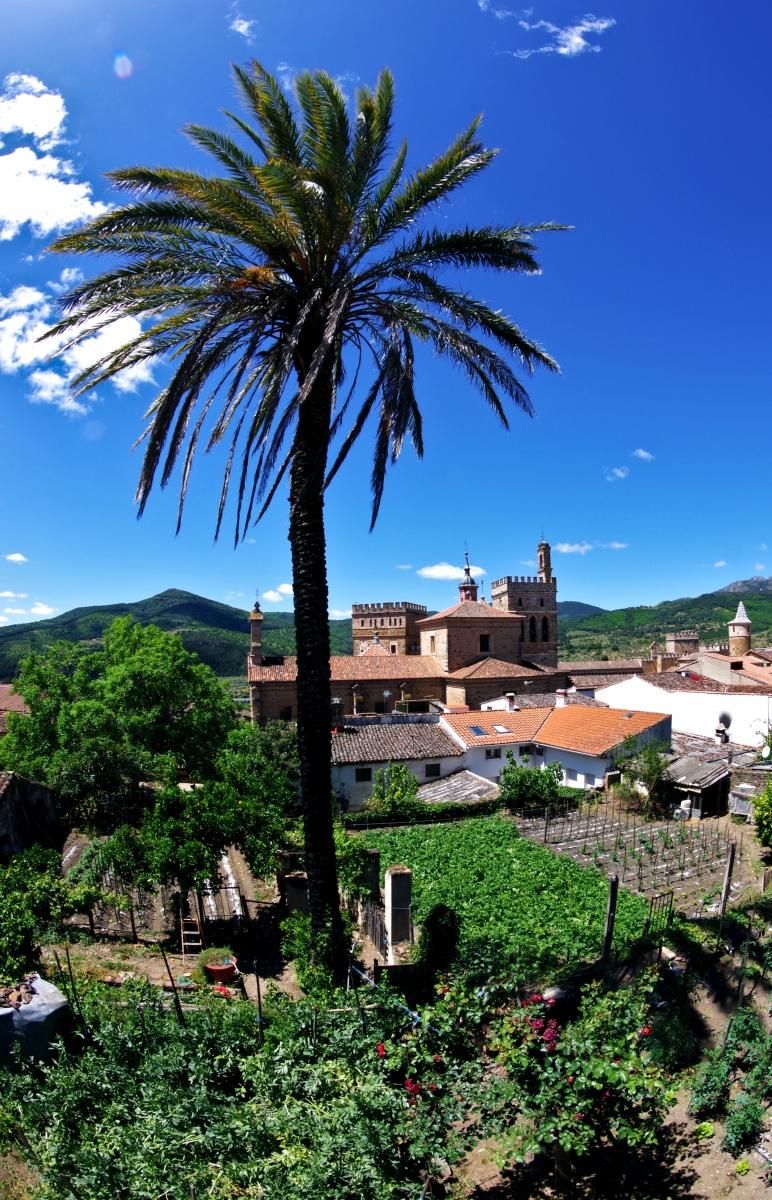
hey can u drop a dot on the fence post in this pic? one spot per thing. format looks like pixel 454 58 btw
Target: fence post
pixel 608 934
pixel 546 822
pixel 725 892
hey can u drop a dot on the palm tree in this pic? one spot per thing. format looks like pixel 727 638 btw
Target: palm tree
pixel 265 287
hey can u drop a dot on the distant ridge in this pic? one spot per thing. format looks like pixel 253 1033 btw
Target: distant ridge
pixel 748 587
pixel 217 632
pixel 567 609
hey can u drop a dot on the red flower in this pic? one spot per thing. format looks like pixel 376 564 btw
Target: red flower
pixel 432 1087
pixel 437 1058
pixel 569 1079
pixel 646 1030
pixel 381 1050
pixel 551 1000
pixel 412 1086
pixel 537 1023
pixel 444 991
pixel 536 998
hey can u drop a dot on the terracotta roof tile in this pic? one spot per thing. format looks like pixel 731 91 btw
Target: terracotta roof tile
pixel 470 608
pixel 343 668
pixel 496 668
pixel 598 681
pixel 392 743
pixel 520 726
pixel 672 681
pixel 602 666
pixel 594 730
pixel 10 701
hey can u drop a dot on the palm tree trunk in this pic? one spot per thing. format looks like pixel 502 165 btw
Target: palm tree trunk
pixel 312 631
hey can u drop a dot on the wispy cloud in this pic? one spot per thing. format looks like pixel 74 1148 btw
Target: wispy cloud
pixel 760 567
pixel 24 315
pixel 13 595
pixel 16 611
pixel 527 562
pixel 42 610
pixel 280 593
pixel 720 563
pixel 500 13
pixel 240 25
pixel 445 570
pixel 16 558
pixel 285 74
pixel 573 547
pixel 612 545
pixel 404 567
pixel 644 454
pixel 568 40
pixel 762 546
pixel 616 473
pixel 340 613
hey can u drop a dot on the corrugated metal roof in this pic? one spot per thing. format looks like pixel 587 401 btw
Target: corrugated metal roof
pixel 691 773
pixel 462 785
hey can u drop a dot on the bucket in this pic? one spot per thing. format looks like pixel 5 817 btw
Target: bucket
pixel 222 972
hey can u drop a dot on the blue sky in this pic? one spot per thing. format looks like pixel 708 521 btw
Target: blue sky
pixel 645 127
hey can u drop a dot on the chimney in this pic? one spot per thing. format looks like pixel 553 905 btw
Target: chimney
pixel 336 715
pixel 256 635
pixel 561 698
pixel 510 699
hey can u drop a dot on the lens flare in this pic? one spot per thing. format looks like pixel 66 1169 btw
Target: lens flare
pixel 123 66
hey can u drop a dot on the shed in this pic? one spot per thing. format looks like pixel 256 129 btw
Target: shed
pixel 706 784
pixel 27 816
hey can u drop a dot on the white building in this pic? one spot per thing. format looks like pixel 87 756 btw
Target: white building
pixel 368 744
pixel 697 706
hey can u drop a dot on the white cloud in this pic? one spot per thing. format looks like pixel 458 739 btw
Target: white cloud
pixel 13 595
pixel 617 473
pixel 613 545
pixel 68 278
pixel 404 567
pixel 17 558
pixel 762 546
pixel 19 611
pixel 720 563
pixel 42 610
pixel 573 547
pixel 444 570
pixel 568 40
pixel 286 589
pixel 3 620
pixel 27 106
pixel 527 562
pixel 274 597
pixel 285 74
pixel 644 454
pixel 24 319
pixel 245 28
pixel 501 13
pixel 340 612
pixel 760 567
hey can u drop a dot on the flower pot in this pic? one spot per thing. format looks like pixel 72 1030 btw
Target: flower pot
pixel 222 972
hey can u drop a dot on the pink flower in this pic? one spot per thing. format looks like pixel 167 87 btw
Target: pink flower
pixel 381 1050
pixel 537 1023
pixel 432 1087
pixel 437 1058
pixel 536 998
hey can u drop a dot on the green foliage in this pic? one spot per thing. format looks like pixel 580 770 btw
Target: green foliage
pixel 518 902
pixel 395 794
pixel 216 955
pixel 762 815
pixel 644 764
pixel 744 1122
pixel 350 861
pixel 710 1088
pixel 33 897
pixel 438 941
pixel 453 810
pixel 102 721
pixel 525 787
pixel 705 1130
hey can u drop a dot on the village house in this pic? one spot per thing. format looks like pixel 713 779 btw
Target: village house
pixel 9 702
pixel 469 653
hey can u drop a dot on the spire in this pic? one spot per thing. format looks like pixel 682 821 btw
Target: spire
pixel 742 617
pixel 467 589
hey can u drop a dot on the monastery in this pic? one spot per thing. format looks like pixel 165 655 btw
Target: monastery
pixel 471 653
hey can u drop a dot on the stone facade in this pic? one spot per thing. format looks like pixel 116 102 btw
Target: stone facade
pixel 534 599
pixel 394 623
pixel 740 633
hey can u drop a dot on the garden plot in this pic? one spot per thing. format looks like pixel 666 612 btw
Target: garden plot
pixel 650 857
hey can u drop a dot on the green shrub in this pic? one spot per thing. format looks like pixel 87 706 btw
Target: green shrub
pixel 524 787
pixel 438 942
pixel 744 1122
pixel 746 1029
pixel 710 1088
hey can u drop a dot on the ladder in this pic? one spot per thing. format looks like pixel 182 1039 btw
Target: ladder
pixel 191 940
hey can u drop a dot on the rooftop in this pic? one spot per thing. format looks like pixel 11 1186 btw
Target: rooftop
pixel 458 787
pixel 470 608
pixel 498 728
pixel 497 668
pixel 694 773
pixel 602 666
pixel 392 743
pixel 585 730
pixel 347 668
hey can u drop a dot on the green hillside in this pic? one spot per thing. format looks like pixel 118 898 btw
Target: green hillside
pixel 629 631
pixel 218 633
pixel 568 609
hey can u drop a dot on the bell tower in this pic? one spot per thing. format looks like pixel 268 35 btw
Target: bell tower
pixel 467 589
pixel 544 562
pixel 740 633
pixel 256 635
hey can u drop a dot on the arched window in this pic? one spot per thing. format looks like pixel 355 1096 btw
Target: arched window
pixel 545 629
pixel 522 631
pixel 532 629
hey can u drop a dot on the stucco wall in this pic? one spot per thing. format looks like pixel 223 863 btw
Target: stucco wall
pixel 354 794
pixel 695 712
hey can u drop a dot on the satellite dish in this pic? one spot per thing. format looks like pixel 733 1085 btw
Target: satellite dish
pixel 765 751
pixel 725 719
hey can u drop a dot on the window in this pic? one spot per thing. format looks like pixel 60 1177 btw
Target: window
pixel 541 604
pixel 545 629
pixel 589 780
pixel 363 774
pixel 381 620
pixel 477 731
pixel 539 750
pixel 532 630
pixel 285 712
pixel 525 750
pixel 379 706
pixel 501 729
pixel 431 645
pixel 520 602
pixel 571 773
pixel 493 752
pixel 393 648
pixel 485 643
pixel 432 770
pixel 361 624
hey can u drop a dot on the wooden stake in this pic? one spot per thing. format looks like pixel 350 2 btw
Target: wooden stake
pixel 177 1005
pixel 613 888
pixel 725 892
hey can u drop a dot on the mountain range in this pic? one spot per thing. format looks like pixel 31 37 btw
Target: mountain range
pixel 219 633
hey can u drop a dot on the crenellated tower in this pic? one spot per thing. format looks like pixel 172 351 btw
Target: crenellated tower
pixel 534 598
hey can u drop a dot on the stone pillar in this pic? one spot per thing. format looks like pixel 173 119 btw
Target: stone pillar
pixel 296 890
pixel 399 924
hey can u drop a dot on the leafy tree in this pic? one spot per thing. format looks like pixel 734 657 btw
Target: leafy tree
pixel 645 764
pixel 762 815
pixel 521 787
pixel 395 794
pixel 33 897
pixel 102 721
pixel 266 285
